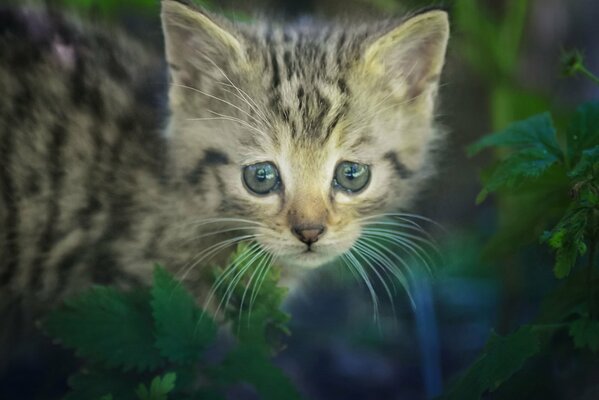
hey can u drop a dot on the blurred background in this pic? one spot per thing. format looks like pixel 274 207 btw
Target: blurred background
pixel 503 65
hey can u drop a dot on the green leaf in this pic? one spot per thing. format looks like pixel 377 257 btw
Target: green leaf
pixel 568 238
pixel 100 384
pixel 585 333
pixel 502 357
pixel 257 319
pixel 517 169
pixel 583 132
pixel 183 330
pixel 108 326
pixel 254 304
pixel 588 162
pixel 159 388
pixel 537 132
pixel 568 299
pixel 251 363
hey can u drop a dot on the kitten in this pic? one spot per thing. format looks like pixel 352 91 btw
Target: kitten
pixel 291 136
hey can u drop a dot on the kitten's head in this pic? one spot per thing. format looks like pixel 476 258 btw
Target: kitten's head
pixel 304 129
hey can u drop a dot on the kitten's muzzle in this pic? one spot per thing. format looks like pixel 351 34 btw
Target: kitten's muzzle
pixel 308 234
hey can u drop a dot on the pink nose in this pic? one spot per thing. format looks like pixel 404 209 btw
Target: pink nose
pixel 308 233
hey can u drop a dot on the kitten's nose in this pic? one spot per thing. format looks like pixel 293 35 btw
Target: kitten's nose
pixel 308 233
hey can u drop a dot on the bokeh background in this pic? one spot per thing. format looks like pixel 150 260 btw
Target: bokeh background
pixel 503 65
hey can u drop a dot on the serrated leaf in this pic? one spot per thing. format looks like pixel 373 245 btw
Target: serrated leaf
pixel 517 169
pixel 183 330
pixel 502 357
pixel 256 314
pixel 565 258
pixel 583 131
pixel 109 327
pixel 568 239
pixel 159 389
pixel 255 303
pixel 585 333
pixel 535 132
pixel 588 160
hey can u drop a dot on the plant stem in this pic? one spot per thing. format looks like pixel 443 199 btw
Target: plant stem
pixel 583 70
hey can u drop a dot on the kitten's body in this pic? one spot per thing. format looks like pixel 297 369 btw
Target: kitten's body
pixel 93 191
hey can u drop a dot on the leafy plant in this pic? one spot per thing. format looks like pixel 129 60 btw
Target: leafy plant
pixel 151 343
pixel 538 156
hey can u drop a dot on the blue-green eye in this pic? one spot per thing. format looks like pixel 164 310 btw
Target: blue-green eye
pixel 351 177
pixel 261 178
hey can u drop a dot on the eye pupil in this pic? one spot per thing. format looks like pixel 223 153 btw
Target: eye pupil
pixel 261 174
pixel 351 172
pixel 261 178
pixel 351 177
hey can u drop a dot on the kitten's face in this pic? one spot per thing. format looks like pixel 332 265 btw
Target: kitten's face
pixel 306 132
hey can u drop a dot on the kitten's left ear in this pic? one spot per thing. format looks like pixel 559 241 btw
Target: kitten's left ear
pixel 411 56
pixel 197 44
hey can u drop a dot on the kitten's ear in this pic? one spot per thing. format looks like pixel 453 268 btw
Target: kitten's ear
pixel 197 44
pixel 411 56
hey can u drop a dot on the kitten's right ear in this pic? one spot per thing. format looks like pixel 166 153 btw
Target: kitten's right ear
pixel 197 44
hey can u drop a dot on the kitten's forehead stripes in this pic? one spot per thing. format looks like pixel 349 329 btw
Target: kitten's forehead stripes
pixel 400 168
pixel 310 65
pixel 212 157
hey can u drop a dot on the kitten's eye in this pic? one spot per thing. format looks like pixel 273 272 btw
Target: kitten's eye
pixel 351 177
pixel 261 178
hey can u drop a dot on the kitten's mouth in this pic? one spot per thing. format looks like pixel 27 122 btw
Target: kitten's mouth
pixel 309 257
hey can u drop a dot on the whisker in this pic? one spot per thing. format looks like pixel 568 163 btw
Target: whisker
pixel 391 266
pixel 247 286
pixel 240 91
pixel 207 221
pixel 254 248
pixel 375 304
pixel 216 98
pixel 208 234
pixel 242 97
pixel 237 278
pixel 405 235
pixel 368 256
pixel 396 237
pixel 261 279
pixel 212 250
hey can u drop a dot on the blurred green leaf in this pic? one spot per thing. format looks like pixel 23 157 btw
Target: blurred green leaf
pixel 583 132
pixel 588 162
pixel 501 358
pixel 108 326
pixel 536 132
pixel 585 333
pixel 183 330
pixel 159 388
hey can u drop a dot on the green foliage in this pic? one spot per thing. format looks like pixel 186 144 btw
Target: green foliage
pixel 501 358
pixel 585 333
pixel 159 335
pixel 92 324
pixel 534 152
pixel 159 388
pixel 535 162
pixel 182 330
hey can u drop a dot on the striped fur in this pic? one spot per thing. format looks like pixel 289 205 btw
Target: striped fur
pixel 92 190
